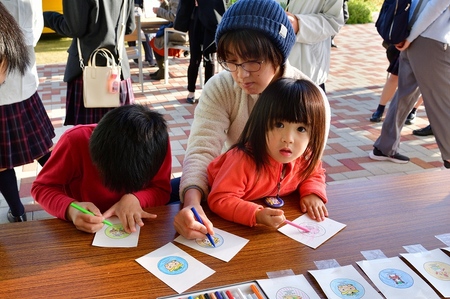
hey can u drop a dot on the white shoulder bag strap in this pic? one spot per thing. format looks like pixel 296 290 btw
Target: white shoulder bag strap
pixel 120 41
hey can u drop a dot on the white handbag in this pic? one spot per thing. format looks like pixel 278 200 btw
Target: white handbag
pixel 101 84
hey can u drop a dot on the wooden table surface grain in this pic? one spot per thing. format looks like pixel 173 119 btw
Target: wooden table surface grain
pixel 52 259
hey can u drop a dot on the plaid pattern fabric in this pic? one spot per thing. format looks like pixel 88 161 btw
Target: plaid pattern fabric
pixel 26 132
pixel 77 114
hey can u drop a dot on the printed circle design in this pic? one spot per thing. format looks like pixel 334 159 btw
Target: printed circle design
pixel 347 288
pixel 205 243
pixel 438 270
pixel 172 265
pixel 315 230
pixel 291 293
pixel 396 278
pixel 116 231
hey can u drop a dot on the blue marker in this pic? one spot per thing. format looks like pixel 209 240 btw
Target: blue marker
pixel 197 217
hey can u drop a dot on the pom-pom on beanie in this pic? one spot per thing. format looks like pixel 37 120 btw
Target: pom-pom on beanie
pixel 265 16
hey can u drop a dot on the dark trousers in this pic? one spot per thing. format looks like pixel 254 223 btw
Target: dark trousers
pixel 201 44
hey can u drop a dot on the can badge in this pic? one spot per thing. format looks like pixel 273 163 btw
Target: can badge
pixel 274 201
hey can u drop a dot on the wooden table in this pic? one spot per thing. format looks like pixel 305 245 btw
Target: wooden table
pixel 152 24
pixel 50 258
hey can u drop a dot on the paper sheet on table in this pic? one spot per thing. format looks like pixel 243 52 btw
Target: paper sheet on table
pixel 434 265
pixel 175 267
pixel 293 286
pixel 116 236
pixel 396 280
pixel 344 282
pixel 319 231
pixel 227 245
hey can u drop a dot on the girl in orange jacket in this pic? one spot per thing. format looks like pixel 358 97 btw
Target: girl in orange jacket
pixel 278 153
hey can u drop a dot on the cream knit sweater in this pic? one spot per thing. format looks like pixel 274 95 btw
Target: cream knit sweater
pixel 219 119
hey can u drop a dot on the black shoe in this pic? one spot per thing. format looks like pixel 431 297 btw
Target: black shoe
pixel 376 116
pixel 333 45
pixel 154 74
pixel 377 155
pixel 191 100
pixel 158 75
pixel 446 164
pixel 12 218
pixel 151 63
pixel 424 131
pixel 411 118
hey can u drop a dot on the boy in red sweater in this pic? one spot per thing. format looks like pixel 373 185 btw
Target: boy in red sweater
pixel 117 167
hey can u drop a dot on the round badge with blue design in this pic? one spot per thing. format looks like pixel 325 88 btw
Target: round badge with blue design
pixel 274 201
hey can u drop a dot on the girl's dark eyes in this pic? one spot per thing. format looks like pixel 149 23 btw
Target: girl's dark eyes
pixel 279 125
pixel 301 129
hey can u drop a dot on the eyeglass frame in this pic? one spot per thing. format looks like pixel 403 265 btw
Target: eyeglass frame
pixel 237 65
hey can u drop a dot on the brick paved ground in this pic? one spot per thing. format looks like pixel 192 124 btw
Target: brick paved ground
pixel 356 79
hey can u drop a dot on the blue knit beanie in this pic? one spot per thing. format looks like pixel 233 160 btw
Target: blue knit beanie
pixel 265 16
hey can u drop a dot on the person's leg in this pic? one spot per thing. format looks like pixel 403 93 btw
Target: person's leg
pixel 159 74
pixel 430 61
pixel 389 88
pixel 10 191
pixel 195 49
pixel 148 51
pixel 404 99
pixel 175 194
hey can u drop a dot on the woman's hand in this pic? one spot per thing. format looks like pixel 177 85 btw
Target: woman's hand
pixel 185 222
pixel 294 22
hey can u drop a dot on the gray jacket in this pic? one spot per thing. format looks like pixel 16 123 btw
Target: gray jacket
pixel 97 24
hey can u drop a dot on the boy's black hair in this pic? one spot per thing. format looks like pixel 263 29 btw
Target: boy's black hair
pixel 128 147
pixel 288 100
pixel 13 50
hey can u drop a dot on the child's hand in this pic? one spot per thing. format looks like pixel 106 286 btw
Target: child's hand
pixel 129 211
pixel 314 206
pixel 84 222
pixel 270 217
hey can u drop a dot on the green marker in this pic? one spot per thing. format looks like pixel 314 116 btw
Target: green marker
pixel 81 209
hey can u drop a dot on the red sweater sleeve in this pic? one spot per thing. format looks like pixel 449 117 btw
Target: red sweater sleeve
pixel 231 176
pixel 50 189
pixel 158 191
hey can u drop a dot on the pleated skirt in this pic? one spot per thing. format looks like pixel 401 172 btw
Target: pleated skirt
pixel 26 132
pixel 77 114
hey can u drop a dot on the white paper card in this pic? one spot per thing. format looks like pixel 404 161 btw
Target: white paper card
pixel 444 238
pixel 344 282
pixel 396 280
pixel 434 265
pixel 294 286
pixel 318 234
pixel 116 236
pixel 175 267
pixel 227 245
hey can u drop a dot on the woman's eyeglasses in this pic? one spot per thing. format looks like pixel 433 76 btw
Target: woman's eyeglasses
pixel 249 66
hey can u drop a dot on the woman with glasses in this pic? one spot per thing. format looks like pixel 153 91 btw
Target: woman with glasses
pixel 253 40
